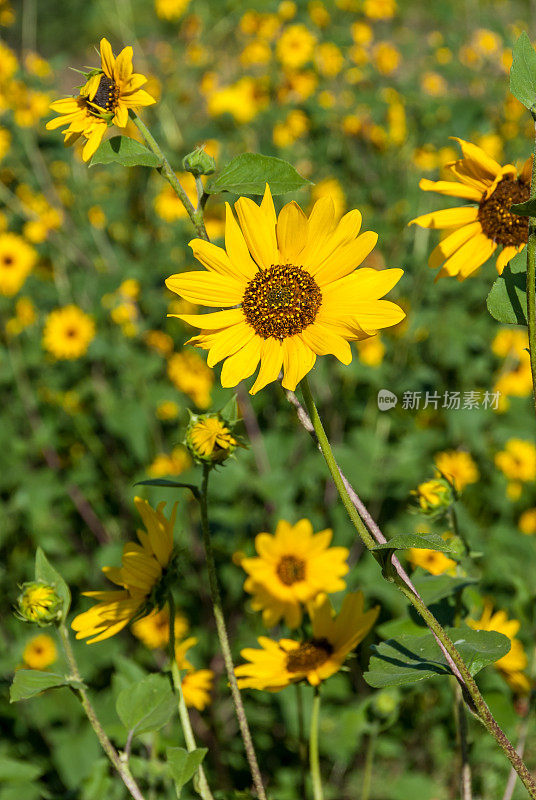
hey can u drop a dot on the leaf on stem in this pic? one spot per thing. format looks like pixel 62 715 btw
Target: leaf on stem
pixel 44 571
pixel 183 765
pixel 125 151
pixel 249 173
pixel 523 72
pixel 507 300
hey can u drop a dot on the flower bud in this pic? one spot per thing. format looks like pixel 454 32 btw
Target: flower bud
pixel 198 162
pixel 434 496
pixel 39 603
pixel 209 438
pixel 385 703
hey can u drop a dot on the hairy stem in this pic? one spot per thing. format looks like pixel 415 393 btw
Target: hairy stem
pixel 531 279
pixel 107 746
pixel 224 641
pixel 313 748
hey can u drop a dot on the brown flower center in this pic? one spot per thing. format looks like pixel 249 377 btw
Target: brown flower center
pixel 281 301
pixel 107 94
pixel 290 570
pixel 498 223
pixel 309 655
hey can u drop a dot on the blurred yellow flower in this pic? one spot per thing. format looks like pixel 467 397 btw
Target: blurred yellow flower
pixel 328 59
pixel 40 652
pixel 170 465
pixel 68 332
pixel 170 10
pixel 153 630
pixel 458 467
pixel 37 66
pixel 190 374
pixel 295 46
pixel 379 9
pixel 196 684
pixel 167 410
pixel 362 33
pixel 159 341
pixel 17 259
pixel 518 460
pixel 45 217
pixel 287 9
pixel 25 315
pixel 8 63
pixel 139 575
pixel 434 84
pixel 5 142
pixel 278 664
pixel 431 560
pixel 487 42
pixel 256 53
pixel 318 13
pixel 330 187
pixel 433 495
pixel 386 57
pixel 510 342
pixel 371 351
pixel 511 665
pixel 527 522
pixel 292 567
pixel 243 99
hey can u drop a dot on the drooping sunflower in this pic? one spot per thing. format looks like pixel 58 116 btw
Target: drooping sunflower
pixel 291 289
pixel 104 100
pixel 513 664
pixel 287 661
pixel 292 568
pixel 68 332
pixel 476 231
pixel 141 575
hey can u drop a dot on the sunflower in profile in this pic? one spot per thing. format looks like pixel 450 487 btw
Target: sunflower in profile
pixel 290 288
pixel 287 661
pixel 141 577
pixel 476 231
pixel 104 100
pixel 292 568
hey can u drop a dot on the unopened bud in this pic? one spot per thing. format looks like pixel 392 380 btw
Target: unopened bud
pixel 198 162
pixel 209 438
pixel 39 603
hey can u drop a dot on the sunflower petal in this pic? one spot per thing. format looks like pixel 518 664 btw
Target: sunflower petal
pixel 487 165
pixel 504 257
pixel 320 226
pixel 213 321
pixel 237 249
pixel 227 342
pixel 345 259
pixel 267 205
pixel 378 314
pixel 271 363
pixel 447 218
pixel 452 242
pixel 206 288
pixel 258 233
pixel 451 189
pixel 298 360
pixel 291 232
pixel 107 58
pixel 242 364
pixel 215 259
pixel 123 65
pixel 323 342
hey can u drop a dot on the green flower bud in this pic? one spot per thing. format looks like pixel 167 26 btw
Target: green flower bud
pixel 39 603
pixel 198 162
pixel 385 703
pixel 209 438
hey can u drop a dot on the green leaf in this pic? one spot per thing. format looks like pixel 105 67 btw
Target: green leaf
pixel 147 705
pixel 169 485
pixel 424 541
pixel 507 300
pixel 13 770
pixel 410 658
pixel 433 588
pixel 183 765
pixel 125 151
pixel 249 173
pixel 44 571
pixel 29 682
pixel 526 209
pixel 523 72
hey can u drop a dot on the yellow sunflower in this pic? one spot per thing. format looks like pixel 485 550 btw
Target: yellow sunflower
pixel 196 683
pixel 17 259
pixel 153 630
pixel 298 292
pixel 140 576
pixel 40 652
pixel 292 568
pixel 511 665
pixel 287 661
pixel 104 100
pixel 476 231
pixel 68 332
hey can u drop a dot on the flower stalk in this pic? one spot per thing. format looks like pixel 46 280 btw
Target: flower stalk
pixel 313 748
pixel 531 280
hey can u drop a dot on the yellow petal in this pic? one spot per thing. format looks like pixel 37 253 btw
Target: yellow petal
pixel 373 316
pixel 476 256
pixel 267 205
pixel 346 258
pixel 504 257
pixel 472 152
pixel 362 285
pixel 271 363
pixel 291 232
pixel 123 65
pixel 107 58
pixel 258 233
pixel 450 243
pixel 93 142
pixel 298 360
pixel 206 288
pixel 345 232
pixel 121 116
pixel 139 98
pixel 242 364
pixel 226 343
pixel 320 226
pixel 214 321
pixel 237 249
pixel 451 189
pixel 67 105
pixel 135 82
pixel 215 259
pixel 323 342
pixel 447 218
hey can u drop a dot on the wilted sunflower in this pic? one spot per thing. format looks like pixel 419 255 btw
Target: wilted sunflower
pixel 287 661
pixel 295 281
pixel 478 230
pixel 140 576
pixel 104 100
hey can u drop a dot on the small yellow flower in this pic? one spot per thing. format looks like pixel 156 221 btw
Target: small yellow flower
pixel 434 84
pixel 458 467
pixel 371 351
pixel 196 684
pixel 68 332
pixel 142 569
pixel 17 259
pixel 295 46
pixel 380 9
pixel 431 560
pixel 291 569
pixel 40 652
pixel 527 522
pixel 362 33
pixel 511 665
pixel 38 602
pixel 209 439
pixel 191 376
pixel 170 10
pixel 170 465
pixel 167 410
pixel 153 630
pixel 159 341
pixel 518 460
pixel 386 58
pixel 278 664
pixel 433 495
pixel 328 59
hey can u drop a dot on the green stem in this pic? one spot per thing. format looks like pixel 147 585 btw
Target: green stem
pixel 195 214
pixel 531 281
pixel 468 683
pixel 313 748
pixel 107 746
pixel 202 785
pixel 302 746
pixel 457 531
pixel 369 761
pixel 224 640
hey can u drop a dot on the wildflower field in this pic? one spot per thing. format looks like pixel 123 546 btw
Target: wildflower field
pixel 267 354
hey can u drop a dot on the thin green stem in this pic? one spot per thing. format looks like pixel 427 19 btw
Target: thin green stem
pixel 369 762
pixel 195 214
pixel 107 746
pixel 461 725
pixel 471 691
pixel 457 531
pixel 531 280
pixel 302 746
pixel 224 640
pixel 314 761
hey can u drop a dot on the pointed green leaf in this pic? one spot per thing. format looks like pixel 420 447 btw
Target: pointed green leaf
pixel 44 571
pixel 526 209
pixel 507 300
pixel 424 541
pixel 125 151
pixel 523 72
pixel 183 765
pixel 169 485
pixel 29 682
pixel 147 705
pixel 249 173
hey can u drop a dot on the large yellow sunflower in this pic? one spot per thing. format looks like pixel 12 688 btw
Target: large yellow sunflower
pixel 104 100
pixel 291 289
pixel 287 661
pixel 142 570
pixel 293 567
pixel 476 231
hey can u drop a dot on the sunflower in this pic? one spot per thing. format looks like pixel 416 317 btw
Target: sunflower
pixel 292 568
pixel 458 467
pixel 141 577
pixel 511 665
pixel 40 652
pixel 295 281
pixel 209 440
pixel 17 259
pixel 287 661
pixel 196 684
pixel 68 332
pixel 431 560
pixel 153 630
pixel 104 100
pixel 477 231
